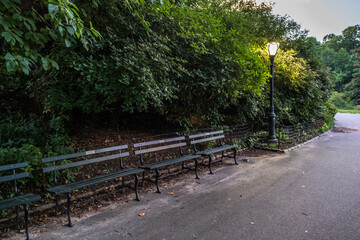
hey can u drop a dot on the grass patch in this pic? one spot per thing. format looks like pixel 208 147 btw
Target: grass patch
pixel 348 111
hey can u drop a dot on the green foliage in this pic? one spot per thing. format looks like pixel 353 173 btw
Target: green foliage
pixel 341 64
pixel 349 111
pixel 28 30
pixel 341 54
pixel 352 89
pixel 340 101
pixel 28 140
pixel 193 63
pixel 255 137
pixel 326 127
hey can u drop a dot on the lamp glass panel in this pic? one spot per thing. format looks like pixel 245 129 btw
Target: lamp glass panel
pixel 272 48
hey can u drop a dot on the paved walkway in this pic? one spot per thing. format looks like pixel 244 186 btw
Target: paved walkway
pixel 309 193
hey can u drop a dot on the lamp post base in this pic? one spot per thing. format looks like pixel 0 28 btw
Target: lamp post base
pixel 272 139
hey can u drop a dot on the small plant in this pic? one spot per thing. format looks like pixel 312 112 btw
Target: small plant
pixel 272 145
pixel 254 138
pixel 325 127
pixel 241 144
pixel 108 170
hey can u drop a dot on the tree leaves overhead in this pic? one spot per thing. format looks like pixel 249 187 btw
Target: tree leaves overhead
pixel 190 61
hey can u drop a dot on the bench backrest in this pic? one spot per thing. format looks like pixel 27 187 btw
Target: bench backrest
pixel 159 145
pixel 205 137
pixel 92 157
pixel 14 176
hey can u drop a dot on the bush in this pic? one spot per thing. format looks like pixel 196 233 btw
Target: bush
pixel 340 101
pixel 28 140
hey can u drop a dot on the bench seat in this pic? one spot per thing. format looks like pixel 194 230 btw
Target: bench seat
pixel 18 200
pixel 60 189
pixel 216 150
pixel 168 162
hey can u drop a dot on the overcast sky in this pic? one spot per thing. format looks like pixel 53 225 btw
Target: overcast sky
pixel 320 17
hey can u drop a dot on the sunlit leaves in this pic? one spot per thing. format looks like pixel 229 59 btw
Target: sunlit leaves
pixel 291 70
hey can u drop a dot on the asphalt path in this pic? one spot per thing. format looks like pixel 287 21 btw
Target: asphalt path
pixel 312 192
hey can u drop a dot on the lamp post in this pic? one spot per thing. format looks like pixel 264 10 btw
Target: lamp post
pixel 272 48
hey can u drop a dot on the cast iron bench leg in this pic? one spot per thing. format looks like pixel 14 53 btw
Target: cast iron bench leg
pixel 235 157
pixel 136 187
pixel 222 156
pixel 26 209
pixel 57 206
pixel 182 167
pixel 69 210
pixel 143 179
pixel 17 218
pixel 157 181
pixel 123 184
pixel 196 168
pixel 210 159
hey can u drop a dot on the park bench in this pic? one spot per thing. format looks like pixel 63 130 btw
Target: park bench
pixel 144 149
pixel 85 158
pixel 18 199
pixel 217 136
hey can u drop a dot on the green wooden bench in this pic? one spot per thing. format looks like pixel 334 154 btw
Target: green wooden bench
pixel 91 157
pixel 217 136
pixel 144 148
pixel 18 199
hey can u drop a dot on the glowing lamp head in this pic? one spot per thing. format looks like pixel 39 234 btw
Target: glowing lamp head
pixel 272 48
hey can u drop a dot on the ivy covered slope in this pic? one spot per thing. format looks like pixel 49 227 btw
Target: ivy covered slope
pixel 194 63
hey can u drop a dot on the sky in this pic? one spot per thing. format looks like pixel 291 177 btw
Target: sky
pixel 320 17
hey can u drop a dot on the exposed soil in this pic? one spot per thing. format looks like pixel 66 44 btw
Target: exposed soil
pixel 344 130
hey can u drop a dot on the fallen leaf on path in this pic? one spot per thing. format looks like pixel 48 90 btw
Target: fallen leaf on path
pixel 143 209
pixel 240 195
pixel 141 214
pixel 252 223
pixel 171 193
pixel 303 186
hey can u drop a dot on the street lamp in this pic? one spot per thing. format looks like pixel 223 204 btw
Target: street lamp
pixel 272 48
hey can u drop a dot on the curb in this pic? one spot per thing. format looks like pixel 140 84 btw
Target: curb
pixel 296 146
pixel 304 143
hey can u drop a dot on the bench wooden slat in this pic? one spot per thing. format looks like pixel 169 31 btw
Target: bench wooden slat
pixel 168 140
pixel 207 139
pixel 14 177
pixel 217 149
pixel 81 154
pixel 60 189
pixel 18 200
pixel 205 134
pixel 13 166
pixel 168 162
pixel 159 148
pixel 85 162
